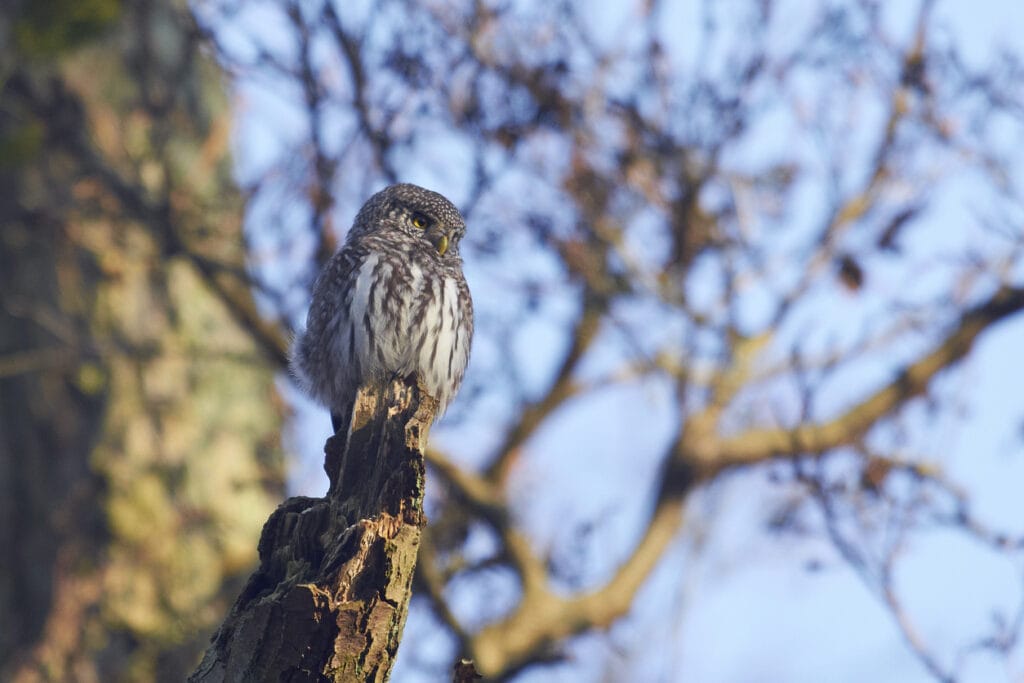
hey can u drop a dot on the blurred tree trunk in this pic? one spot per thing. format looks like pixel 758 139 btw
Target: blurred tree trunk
pixel 138 421
pixel 331 594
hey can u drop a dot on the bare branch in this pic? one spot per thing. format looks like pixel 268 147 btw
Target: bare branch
pixel 718 454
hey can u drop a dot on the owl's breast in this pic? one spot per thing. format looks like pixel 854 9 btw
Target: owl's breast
pixel 412 312
pixel 442 339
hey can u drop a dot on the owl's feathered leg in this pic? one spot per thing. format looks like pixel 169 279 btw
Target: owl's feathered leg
pixel 341 419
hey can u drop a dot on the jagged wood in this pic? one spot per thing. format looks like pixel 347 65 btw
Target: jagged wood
pixel 329 599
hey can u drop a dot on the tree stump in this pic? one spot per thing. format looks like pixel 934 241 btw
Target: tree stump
pixel 329 599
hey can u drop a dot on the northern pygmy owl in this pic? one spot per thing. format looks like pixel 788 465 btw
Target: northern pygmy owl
pixel 391 302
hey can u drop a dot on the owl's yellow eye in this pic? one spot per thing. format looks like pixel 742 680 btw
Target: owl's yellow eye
pixel 419 221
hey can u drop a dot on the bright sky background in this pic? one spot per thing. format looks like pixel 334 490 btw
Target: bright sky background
pixel 731 602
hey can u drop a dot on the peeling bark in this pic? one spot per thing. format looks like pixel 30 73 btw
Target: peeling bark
pixel 329 599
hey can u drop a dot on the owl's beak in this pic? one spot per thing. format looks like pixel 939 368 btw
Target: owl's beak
pixel 439 238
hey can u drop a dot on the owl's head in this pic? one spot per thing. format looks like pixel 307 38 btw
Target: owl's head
pixel 414 211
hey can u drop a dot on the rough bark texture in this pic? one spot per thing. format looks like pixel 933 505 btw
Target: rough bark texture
pixel 330 597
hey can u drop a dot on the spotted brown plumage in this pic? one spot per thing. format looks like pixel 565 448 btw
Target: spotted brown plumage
pixel 391 302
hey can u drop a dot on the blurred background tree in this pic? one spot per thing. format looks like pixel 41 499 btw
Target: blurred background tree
pixel 743 401
pixel 139 430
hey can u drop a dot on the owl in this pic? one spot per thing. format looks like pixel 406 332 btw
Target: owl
pixel 390 303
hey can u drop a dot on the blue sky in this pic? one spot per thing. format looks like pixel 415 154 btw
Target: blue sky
pixel 731 602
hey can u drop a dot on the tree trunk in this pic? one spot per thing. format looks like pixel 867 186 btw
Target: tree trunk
pixel 139 425
pixel 330 597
